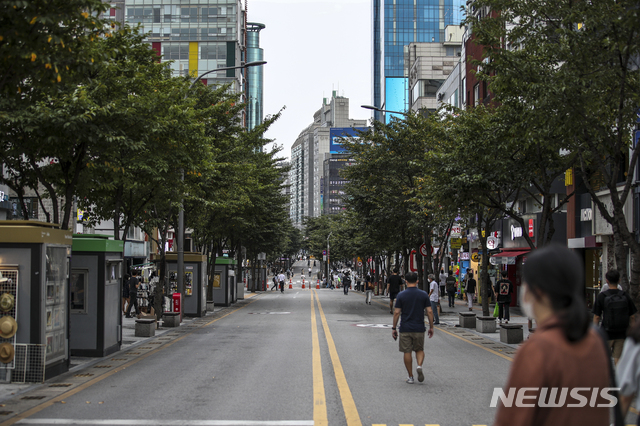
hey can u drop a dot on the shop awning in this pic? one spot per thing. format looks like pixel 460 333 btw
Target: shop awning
pixel 506 257
pixel 511 253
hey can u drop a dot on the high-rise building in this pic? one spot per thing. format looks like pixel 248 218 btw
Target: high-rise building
pixel 197 35
pixel 396 23
pixel 255 76
pixel 312 147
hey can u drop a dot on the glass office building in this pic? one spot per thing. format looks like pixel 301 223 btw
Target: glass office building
pixel 396 23
pixel 255 76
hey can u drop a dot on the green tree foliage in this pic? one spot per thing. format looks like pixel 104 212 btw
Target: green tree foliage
pixel 573 67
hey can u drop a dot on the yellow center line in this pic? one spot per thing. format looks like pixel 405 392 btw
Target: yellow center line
pixel 474 344
pixel 98 379
pixel 349 405
pixel 319 399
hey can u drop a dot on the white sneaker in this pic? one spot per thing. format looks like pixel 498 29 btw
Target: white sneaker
pixel 410 380
pixel 420 375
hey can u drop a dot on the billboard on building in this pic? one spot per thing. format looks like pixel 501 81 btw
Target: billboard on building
pixel 337 133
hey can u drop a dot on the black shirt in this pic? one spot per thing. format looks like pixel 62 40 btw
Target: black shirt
pixel 471 286
pixel 394 283
pixel 133 282
pixel 503 289
pixel 598 309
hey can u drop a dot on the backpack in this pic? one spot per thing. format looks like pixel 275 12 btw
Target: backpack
pixel 347 281
pixel 450 285
pixel 615 311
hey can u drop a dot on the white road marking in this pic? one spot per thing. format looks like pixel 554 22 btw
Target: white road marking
pixel 145 422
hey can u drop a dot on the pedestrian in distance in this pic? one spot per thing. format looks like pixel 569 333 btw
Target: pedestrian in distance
pixel 564 356
pixel 125 294
pixel 628 370
pixel 617 311
pixel 369 289
pixel 281 281
pixel 434 297
pixel 443 283
pixel 275 283
pixel 133 295
pixel 394 286
pixel 346 283
pixel 450 286
pixel 410 308
pixel 470 289
pixel 503 290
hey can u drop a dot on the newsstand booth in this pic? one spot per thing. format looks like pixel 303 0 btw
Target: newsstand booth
pixel 34 289
pixel 95 299
pixel 224 282
pixel 194 303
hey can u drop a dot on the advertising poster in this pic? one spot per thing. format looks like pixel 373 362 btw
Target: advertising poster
pixel 337 133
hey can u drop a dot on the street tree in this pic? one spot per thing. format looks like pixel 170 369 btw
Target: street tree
pixel 578 63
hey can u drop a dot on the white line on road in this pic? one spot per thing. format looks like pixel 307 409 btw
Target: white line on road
pixel 166 422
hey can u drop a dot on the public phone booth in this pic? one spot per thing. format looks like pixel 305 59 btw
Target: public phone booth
pixel 224 288
pixel 34 300
pixel 194 303
pixel 95 296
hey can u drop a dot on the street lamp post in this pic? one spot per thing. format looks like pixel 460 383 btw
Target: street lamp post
pixel 328 260
pixel 180 236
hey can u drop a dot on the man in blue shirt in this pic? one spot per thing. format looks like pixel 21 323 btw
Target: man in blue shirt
pixel 410 306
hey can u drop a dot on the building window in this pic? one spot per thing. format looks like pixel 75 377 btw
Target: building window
pixel 476 94
pixel 79 281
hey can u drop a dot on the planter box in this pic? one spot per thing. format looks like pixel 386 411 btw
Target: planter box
pixel 485 324
pixel 511 333
pixel 171 319
pixel 145 327
pixel 467 319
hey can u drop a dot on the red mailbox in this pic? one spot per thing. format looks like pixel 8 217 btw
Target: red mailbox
pixel 177 304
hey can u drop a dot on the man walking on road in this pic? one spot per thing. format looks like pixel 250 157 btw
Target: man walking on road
pixel 502 291
pixel 451 289
pixel 434 297
pixel 394 284
pixel 346 283
pixel 617 310
pixel 470 289
pixel 443 282
pixel 410 306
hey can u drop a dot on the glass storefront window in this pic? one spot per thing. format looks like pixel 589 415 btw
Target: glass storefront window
pixel 78 290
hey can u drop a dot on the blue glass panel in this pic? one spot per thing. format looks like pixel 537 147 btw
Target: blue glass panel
pixel 395 96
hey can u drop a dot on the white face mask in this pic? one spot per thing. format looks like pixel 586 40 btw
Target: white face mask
pixel 526 306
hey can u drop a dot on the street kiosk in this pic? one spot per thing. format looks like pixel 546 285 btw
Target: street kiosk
pixel 34 308
pixel 195 282
pixel 224 288
pixel 95 296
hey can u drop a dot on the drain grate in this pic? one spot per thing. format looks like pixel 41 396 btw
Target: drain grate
pixel 60 385
pixel 83 375
pixel 477 338
pixel 155 343
pixel 101 366
pixel 118 359
pixel 488 343
pixel 510 353
pixel 33 397
pixel 5 413
pixel 146 347
pixel 133 353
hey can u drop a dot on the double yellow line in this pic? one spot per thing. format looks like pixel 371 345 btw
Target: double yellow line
pixel 319 399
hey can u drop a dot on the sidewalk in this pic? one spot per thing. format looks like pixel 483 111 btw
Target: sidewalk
pixel 129 340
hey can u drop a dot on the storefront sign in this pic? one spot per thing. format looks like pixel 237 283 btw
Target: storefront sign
pixel 531 228
pixel 586 215
pixel 464 255
pixel 516 232
pixel 492 243
pixel 456 243
pixel 456 230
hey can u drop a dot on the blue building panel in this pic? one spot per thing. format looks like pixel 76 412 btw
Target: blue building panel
pixel 337 133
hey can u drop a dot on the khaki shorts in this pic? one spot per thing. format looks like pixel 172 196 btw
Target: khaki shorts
pixel 616 347
pixel 411 342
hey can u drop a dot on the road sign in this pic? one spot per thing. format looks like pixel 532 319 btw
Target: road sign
pixel 423 250
pixel 360 263
pixel 456 230
pixel 324 252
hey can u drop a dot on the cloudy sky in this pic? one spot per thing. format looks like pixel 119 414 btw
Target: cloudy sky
pixel 312 48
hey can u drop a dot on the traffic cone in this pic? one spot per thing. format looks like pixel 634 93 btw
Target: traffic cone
pixel 318 285
pixel 290 285
pixel 303 283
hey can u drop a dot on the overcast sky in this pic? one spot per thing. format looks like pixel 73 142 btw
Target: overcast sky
pixel 312 48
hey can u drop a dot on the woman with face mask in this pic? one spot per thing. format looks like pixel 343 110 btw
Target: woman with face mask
pixel 558 374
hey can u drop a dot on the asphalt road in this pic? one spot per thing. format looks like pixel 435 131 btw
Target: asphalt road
pixel 301 357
